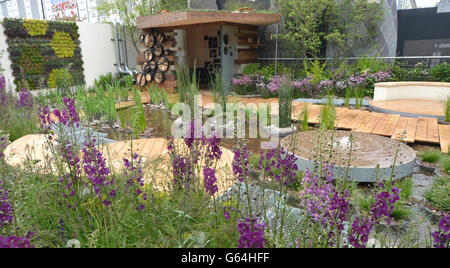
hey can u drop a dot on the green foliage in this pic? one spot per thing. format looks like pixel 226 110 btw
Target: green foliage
pixel 344 32
pixel 439 195
pixel 35 27
pixel 370 65
pixel 252 68
pixel 138 122
pixel 188 86
pixel 157 95
pixel 431 155
pixel 418 73
pixel 285 94
pixel 441 72
pixel 445 163
pixel 406 185
pixel 358 93
pixel 121 93
pixel 327 116
pixel 236 4
pixel 446 106
pixel 130 10
pixel 98 104
pixel 218 91
pixel 32 60
pixel 17 121
pixel 266 111
pixel 268 71
pixel 59 78
pixel 305 117
pixel 308 24
pixel 104 80
pixel 401 211
pixel 348 95
pixel 315 70
pixel 63 45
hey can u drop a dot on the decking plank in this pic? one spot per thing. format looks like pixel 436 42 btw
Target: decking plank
pixel 369 117
pixel 345 118
pixel 356 120
pixel 379 127
pixel 444 136
pixel 421 130
pixel 400 129
pixel 411 130
pixel 314 113
pixel 432 130
pixel 368 128
pixel 390 126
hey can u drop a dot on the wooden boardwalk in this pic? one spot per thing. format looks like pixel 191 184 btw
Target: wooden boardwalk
pixel 413 130
pixel 425 107
pixel 423 130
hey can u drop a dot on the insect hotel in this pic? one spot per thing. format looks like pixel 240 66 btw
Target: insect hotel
pixel 209 42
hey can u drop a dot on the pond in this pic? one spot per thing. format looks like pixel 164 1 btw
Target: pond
pixel 159 123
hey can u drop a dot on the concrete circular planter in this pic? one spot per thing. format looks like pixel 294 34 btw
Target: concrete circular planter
pixel 371 158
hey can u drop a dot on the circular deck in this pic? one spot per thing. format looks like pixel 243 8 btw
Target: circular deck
pixel 410 108
pixel 371 158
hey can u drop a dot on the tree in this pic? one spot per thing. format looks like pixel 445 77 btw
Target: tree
pixel 344 24
pixel 129 10
pixel 303 22
pixel 353 26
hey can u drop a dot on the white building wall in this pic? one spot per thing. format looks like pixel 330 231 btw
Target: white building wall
pixel 98 51
pixel 86 10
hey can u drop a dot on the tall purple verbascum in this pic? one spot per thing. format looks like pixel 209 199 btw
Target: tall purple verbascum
pixel 240 162
pixel 181 166
pixel 15 242
pixel 97 172
pixel 251 233
pixel 25 99
pixel 384 203
pixel 381 209
pixel 209 180
pixel 359 235
pixel 212 154
pixel 325 204
pixel 6 209
pixel 68 116
pixel 3 94
pixel 442 236
pixel 135 181
pixel 281 166
pixel 71 180
pixel 315 196
pixel 45 116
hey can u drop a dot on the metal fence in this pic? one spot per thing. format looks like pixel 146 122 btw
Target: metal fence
pixel 424 62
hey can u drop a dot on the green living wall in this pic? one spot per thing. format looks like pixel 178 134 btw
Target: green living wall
pixel 41 51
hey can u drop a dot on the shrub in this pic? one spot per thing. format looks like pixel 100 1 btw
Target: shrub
pixel 252 68
pixel 441 72
pixel 63 45
pixel 438 195
pixel 431 155
pixel 285 102
pixel 445 164
pixel 35 27
pixel 60 78
pixel 18 116
pixel 245 85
